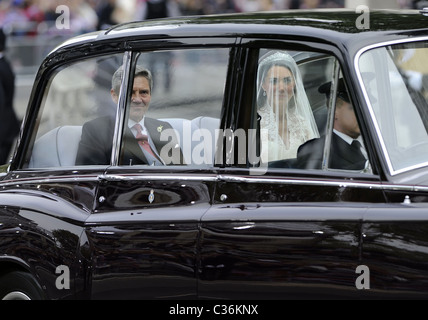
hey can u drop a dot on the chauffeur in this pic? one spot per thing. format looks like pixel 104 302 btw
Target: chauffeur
pixel 347 151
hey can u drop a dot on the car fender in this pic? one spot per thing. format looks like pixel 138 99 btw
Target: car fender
pixel 40 233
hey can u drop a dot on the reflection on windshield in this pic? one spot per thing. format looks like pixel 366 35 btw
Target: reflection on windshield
pixel 396 83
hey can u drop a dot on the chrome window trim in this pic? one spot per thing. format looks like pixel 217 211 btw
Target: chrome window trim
pixel 216 178
pixel 108 177
pixel 64 179
pixel 322 183
pixel 331 104
pixel 121 108
pixel 157 177
pixel 357 57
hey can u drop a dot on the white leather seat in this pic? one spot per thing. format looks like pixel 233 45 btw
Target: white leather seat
pixel 183 129
pixel 209 126
pixel 197 138
pixel 56 148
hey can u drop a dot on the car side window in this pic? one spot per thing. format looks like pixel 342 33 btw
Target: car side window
pixel 75 94
pixel 294 106
pixel 174 107
pixel 396 87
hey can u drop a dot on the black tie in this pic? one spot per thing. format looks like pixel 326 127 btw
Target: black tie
pixel 357 146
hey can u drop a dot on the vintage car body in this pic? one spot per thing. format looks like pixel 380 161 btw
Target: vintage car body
pixel 220 230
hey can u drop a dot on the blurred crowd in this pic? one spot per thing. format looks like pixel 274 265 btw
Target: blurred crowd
pixel 32 17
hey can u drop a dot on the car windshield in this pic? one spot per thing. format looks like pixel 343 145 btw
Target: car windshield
pixel 395 83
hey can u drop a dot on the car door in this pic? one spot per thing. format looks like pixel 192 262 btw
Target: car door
pixel 144 232
pixel 50 194
pixel 277 230
pixel 395 242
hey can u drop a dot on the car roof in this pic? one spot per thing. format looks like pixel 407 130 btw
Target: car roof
pixel 337 26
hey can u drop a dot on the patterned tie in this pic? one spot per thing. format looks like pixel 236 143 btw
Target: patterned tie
pixel 143 140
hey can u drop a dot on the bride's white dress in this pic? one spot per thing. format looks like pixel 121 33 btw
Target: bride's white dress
pixel 273 146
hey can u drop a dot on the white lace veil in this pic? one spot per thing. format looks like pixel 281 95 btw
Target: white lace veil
pixel 289 107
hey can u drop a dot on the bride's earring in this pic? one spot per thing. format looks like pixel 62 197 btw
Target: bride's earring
pixel 264 93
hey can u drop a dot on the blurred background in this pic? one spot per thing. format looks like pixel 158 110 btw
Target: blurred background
pixel 32 29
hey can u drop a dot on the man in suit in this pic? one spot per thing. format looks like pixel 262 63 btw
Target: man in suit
pixel 347 151
pixel 9 126
pixel 142 143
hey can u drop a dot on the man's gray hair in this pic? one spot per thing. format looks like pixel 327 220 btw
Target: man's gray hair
pixel 140 71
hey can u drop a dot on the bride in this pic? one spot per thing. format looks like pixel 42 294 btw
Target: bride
pixel 286 115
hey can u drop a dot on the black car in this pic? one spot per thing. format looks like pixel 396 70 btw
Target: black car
pixel 212 215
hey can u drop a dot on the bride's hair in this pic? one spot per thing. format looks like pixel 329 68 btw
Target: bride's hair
pixel 266 62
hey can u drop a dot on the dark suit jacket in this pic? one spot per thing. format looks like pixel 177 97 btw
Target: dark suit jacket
pixel 97 136
pixel 9 123
pixel 342 155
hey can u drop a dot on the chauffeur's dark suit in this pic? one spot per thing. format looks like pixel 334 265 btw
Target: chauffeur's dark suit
pixel 96 143
pixel 342 155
